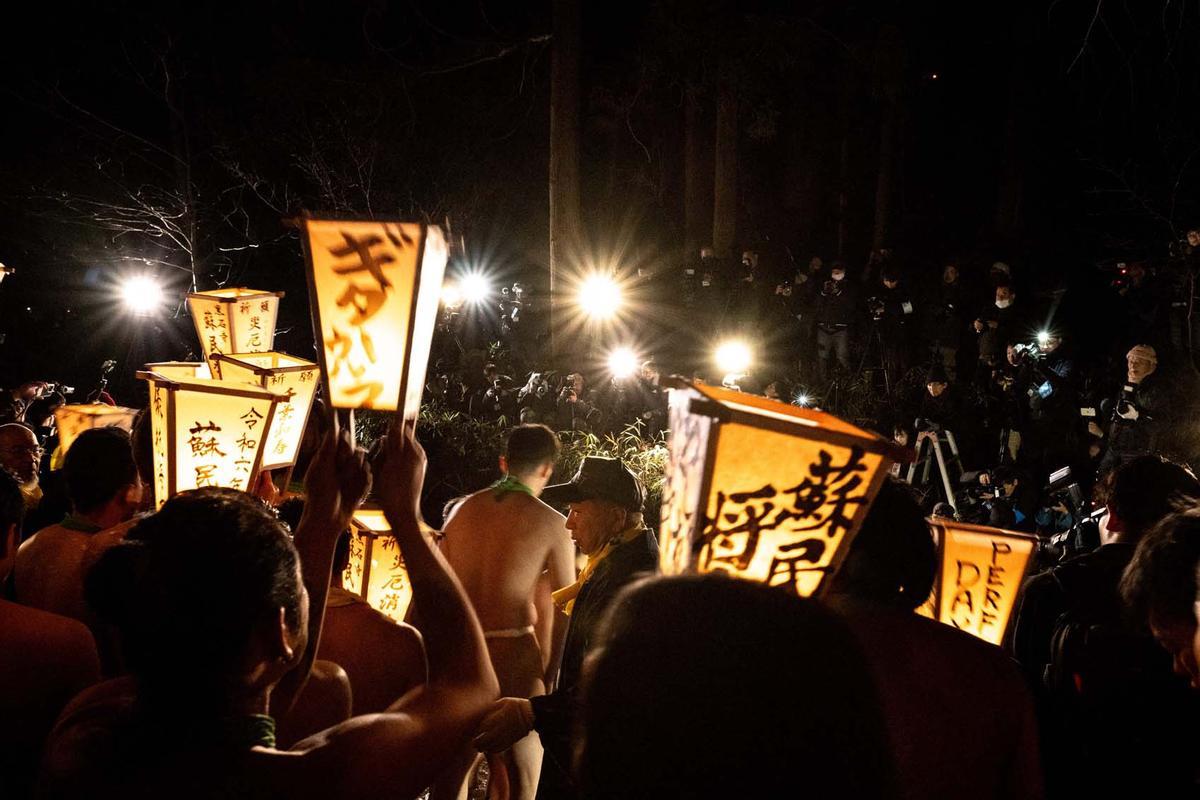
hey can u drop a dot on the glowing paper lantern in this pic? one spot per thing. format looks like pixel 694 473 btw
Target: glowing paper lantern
pixel 980 572
pixel 234 320
pixel 187 370
pixel 72 420
pixel 376 571
pixel 763 490
pixel 207 433
pixel 282 374
pixel 374 289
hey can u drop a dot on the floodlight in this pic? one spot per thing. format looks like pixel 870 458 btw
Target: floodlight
pixel 622 363
pixel 803 400
pixel 474 287
pixel 733 357
pixel 600 296
pixel 1043 337
pixel 142 295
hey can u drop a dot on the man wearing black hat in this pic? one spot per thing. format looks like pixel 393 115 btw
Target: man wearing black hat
pixel 605 520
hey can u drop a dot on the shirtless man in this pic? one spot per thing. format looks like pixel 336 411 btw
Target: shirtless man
pixel 502 542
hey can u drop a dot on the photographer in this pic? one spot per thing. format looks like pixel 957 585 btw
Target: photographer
pixel 576 411
pixel 834 311
pixel 891 308
pixel 495 401
pixel 943 321
pixel 997 324
pixel 1138 416
pixel 13 402
pixel 1048 402
pixel 536 400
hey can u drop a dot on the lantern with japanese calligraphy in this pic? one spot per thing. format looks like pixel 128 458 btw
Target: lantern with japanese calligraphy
pixel 282 374
pixel 762 490
pixel 374 288
pixel 980 572
pixel 234 320
pixel 72 420
pixel 207 433
pixel 376 571
pixel 187 370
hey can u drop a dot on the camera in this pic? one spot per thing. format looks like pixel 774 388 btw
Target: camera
pixel 60 388
pixel 1027 352
pixel 876 308
pixel 922 425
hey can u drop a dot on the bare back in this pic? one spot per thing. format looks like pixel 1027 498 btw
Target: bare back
pixel 499 546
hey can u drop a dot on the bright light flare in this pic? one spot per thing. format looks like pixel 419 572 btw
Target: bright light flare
pixel 451 296
pixel 1043 338
pixel 622 363
pixel 803 400
pixel 142 295
pixel 734 357
pixel 475 288
pixel 600 297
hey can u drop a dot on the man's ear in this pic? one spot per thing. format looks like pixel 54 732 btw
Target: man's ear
pixel 1114 524
pixel 547 470
pixel 504 464
pixel 285 644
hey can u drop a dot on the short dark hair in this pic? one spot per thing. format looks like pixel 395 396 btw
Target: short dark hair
pixel 892 560
pixel 152 587
pixel 98 465
pixel 530 446
pixel 1146 489
pixel 12 502
pixel 1160 581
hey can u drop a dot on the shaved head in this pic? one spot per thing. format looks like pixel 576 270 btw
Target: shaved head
pixel 18 451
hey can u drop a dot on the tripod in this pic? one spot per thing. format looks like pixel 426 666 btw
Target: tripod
pixel 932 446
pixel 874 357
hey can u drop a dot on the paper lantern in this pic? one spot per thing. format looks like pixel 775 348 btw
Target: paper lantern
pixel 376 571
pixel 234 320
pixel 207 433
pixel 187 370
pixel 72 420
pixel 374 288
pixel 763 490
pixel 980 573
pixel 282 374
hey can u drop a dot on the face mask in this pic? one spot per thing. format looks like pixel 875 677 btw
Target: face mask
pixel 1003 303
pixel 837 276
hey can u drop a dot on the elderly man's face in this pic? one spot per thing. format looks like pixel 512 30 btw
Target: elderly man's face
pixel 19 452
pixel 1139 367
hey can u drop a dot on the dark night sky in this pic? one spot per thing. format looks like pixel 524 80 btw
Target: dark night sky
pixel 440 109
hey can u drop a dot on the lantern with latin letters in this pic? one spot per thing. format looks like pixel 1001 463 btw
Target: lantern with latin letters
pixel 763 490
pixel 980 573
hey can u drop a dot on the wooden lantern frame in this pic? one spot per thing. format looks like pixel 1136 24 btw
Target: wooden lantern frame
pixel 715 407
pixel 264 375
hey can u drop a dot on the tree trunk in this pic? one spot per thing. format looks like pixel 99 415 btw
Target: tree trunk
pixel 697 222
pixel 565 212
pixel 725 188
pixel 889 83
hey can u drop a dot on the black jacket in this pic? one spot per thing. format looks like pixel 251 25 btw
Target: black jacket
pixel 554 713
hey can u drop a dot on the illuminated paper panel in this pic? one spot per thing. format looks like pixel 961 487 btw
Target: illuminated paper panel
pixel 980 575
pixel 186 370
pixel 72 420
pixel 206 433
pixel 375 288
pixel 281 374
pixel 374 551
pixel 234 320
pixel 762 490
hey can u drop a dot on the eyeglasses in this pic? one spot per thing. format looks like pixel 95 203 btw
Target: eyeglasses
pixel 25 450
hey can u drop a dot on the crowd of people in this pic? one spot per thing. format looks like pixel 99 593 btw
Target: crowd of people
pixel 207 647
